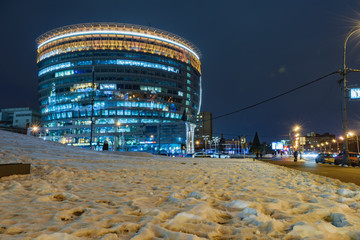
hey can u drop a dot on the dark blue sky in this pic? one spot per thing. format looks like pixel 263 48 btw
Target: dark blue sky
pixel 251 50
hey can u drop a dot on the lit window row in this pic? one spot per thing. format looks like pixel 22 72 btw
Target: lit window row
pixel 119 45
pixel 64 73
pixel 122 63
pixel 101 104
pixel 55 67
pixel 106 113
pixel 108 86
pixel 150 88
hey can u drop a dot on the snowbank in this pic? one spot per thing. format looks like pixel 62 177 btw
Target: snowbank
pixel 74 193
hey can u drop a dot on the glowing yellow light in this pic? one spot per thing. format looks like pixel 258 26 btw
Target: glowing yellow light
pixel 349 134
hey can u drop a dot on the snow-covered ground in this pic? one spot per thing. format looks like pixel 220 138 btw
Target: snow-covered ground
pixel 74 193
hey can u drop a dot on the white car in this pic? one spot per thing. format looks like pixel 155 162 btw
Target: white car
pixel 220 155
pixel 200 155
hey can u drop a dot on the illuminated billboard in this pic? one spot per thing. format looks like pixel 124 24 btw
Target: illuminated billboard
pixel 277 145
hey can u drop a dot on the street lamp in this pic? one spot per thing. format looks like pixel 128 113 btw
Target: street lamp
pixel 118 124
pixel 216 140
pixel 35 129
pixel 337 144
pixel 351 134
pixel 197 143
pixel 296 128
pixel 206 139
pixel 344 111
pixel 293 141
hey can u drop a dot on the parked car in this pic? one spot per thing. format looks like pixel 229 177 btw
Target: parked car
pixel 353 159
pixel 220 155
pixel 200 155
pixel 188 155
pixel 325 158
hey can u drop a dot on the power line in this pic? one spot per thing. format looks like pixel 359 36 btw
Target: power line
pixel 277 96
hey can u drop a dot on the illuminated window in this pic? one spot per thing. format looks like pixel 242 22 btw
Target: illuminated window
pixel 107 86
pixel 105 113
pixel 188 74
pixel 64 73
pixel 150 88
pixel 180 93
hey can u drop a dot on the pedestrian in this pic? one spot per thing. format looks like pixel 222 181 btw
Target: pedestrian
pixel 295 156
pixel 281 153
pixel 257 155
pixel 260 155
pixel 106 146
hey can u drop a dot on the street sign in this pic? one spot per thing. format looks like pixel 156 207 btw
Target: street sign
pixel 354 93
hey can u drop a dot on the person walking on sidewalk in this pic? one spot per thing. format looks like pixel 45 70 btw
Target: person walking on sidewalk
pixel 295 156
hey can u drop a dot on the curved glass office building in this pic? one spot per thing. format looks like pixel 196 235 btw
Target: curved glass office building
pixel 136 87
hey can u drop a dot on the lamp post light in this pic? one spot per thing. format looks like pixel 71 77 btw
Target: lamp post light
pixel 216 140
pixel 293 141
pixel 35 129
pixel 337 144
pixel 206 139
pixel 345 70
pixel 197 143
pixel 118 124
pixel 351 134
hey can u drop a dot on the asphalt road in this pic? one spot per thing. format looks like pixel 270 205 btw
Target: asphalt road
pixel 344 174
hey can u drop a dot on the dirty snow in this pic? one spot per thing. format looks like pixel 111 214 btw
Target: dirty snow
pixel 74 193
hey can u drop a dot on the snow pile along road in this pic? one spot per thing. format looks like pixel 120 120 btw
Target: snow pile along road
pixel 74 193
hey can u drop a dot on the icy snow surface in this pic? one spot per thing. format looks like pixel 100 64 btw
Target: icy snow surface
pixel 74 193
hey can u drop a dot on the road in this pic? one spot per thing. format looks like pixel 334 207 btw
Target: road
pixel 344 174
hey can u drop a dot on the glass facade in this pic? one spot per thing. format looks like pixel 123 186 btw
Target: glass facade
pixel 137 88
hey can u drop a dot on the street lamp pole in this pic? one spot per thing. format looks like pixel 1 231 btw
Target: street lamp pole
pixel 344 110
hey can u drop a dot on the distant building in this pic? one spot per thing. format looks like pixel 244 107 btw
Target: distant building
pixel 19 117
pixel 321 142
pixel 203 129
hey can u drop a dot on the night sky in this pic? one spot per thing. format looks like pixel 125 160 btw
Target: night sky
pixel 251 51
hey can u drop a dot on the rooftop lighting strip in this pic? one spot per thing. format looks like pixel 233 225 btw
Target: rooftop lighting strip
pixel 120 33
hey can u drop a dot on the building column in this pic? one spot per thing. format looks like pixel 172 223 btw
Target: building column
pixel 190 134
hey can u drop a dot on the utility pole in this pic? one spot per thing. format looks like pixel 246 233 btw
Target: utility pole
pixel 92 106
pixel 344 93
